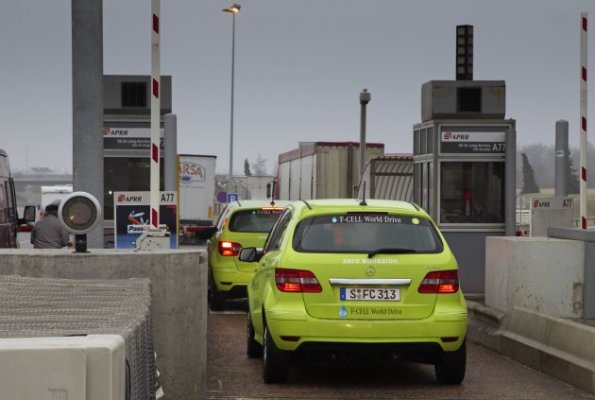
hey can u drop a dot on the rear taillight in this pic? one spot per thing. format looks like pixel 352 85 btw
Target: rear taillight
pixel 296 280
pixel 440 282
pixel 229 248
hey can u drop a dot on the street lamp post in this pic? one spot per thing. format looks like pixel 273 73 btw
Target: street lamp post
pixel 364 99
pixel 233 9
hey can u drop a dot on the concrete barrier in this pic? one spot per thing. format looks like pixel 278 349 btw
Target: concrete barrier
pixel 179 293
pixel 559 347
pixel 537 273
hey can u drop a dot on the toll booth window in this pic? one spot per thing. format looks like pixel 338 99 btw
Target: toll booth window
pixel 3 201
pixel 134 94
pixel 469 99
pixel 424 186
pixel 416 143
pixel 430 140
pixel 472 192
pixel 125 174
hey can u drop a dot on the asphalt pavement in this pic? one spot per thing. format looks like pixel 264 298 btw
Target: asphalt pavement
pixel 232 375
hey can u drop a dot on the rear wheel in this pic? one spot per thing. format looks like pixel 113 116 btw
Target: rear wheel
pixel 216 298
pixel 253 348
pixel 450 369
pixel 275 362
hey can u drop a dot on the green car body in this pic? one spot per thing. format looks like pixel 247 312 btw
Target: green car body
pixel 309 296
pixel 243 223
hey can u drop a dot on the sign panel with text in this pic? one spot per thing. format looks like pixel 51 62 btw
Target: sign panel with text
pixel 472 142
pixel 131 217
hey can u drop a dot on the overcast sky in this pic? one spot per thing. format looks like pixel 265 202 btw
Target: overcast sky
pixel 300 66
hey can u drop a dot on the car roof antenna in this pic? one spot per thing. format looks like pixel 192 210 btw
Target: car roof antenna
pixel 273 194
pixel 307 204
pixel 363 200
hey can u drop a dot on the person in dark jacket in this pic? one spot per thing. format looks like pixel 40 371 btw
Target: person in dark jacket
pixel 48 233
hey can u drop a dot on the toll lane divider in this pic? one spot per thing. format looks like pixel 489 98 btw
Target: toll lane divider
pixel 561 348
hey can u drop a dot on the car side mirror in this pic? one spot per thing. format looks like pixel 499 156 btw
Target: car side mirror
pixel 28 215
pixel 250 254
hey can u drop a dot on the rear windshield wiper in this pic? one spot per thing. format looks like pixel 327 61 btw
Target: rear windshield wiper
pixel 391 250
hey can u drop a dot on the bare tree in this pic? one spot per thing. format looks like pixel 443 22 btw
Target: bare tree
pixel 260 166
pixel 572 178
pixel 529 184
pixel 247 171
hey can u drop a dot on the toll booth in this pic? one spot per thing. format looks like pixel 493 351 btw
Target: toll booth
pixel 461 175
pixel 464 153
pixel 127 138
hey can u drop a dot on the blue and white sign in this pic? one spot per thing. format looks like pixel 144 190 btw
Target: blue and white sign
pixel 232 197
pixel 131 217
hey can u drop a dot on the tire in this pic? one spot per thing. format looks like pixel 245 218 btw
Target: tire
pixel 450 370
pixel 216 298
pixel 275 361
pixel 253 348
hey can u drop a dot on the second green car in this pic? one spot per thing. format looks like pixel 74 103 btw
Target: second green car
pixel 243 223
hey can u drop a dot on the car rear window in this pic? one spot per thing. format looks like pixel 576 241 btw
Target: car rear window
pixel 366 233
pixel 254 220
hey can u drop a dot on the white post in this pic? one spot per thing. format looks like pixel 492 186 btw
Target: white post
pixel 155 110
pixel 583 106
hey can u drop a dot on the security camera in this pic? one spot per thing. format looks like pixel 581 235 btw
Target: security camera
pixel 79 212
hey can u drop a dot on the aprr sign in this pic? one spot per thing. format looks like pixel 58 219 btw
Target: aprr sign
pixel 548 212
pixel 552 203
pixel 131 217
pixel 472 142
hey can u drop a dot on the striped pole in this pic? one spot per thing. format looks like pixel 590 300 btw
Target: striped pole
pixel 583 105
pixel 155 110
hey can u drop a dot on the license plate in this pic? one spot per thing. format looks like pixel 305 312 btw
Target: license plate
pixel 370 294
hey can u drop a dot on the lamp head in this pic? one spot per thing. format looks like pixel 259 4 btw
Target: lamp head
pixel 234 9
pixel 364 97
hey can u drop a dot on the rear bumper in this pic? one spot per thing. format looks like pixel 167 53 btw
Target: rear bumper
pixel 228 278
pixel 392 336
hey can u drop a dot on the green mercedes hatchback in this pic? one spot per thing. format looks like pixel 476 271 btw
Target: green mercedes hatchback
pixel 241 224
pixel 355 276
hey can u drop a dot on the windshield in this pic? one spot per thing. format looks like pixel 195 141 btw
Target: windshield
pixel 256 220
pixel 371 233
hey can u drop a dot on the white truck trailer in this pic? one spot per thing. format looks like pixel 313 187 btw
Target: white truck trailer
pixel 52 193
pixel 322 170
pixel 196 188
